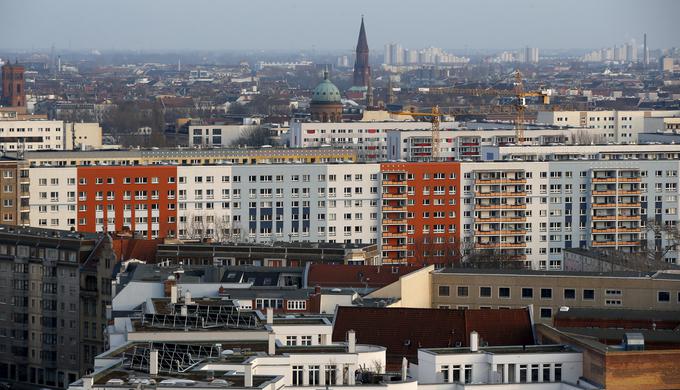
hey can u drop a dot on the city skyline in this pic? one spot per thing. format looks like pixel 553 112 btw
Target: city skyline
pixel 456 25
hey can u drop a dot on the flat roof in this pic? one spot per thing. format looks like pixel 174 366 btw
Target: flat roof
pixel 504 349
pixel 527 272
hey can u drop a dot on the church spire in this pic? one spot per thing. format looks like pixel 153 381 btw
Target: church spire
pixel 362 71
pixel 362 43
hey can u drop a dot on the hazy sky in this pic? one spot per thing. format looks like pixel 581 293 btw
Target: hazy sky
pixel 333 25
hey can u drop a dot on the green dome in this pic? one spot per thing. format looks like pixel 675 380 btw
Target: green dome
pixel 326 92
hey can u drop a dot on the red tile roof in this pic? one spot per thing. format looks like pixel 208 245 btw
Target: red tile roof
pixel 340 275
pixel 403 331
pixel 127 248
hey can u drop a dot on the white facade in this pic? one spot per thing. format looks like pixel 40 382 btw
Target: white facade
pixel 53 197
pixel 31 135
pixel 499 365
pixel 466 144
pixel 322 202
pixel 217 136
pixel 620 126
pixel 369 139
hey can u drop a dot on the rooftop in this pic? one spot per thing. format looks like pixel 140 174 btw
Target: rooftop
pixel 526 272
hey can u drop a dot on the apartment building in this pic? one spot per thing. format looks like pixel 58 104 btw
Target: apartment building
pixel 31 135
pixel 15 195
pixel 54 288
pixel 368 139
pixel 217 136
pixel 420 212
pixel 550 291
pixel 322 203
pixel 469 145
pixel 621 126
pixel 43 134
pixel 189 157
pixel 528 208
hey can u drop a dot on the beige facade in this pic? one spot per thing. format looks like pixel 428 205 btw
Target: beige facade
pixel 548 291
pixel 82 136
pixel 14 196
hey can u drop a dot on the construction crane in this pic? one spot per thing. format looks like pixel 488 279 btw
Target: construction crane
pixel 435 120
pixel 518 93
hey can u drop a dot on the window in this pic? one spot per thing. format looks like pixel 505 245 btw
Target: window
pixel 485 292
pixel 291 340
pixel 664 296
pixel 462 291
pixel 527 292
pixel 444 291
pixel 330 374
pixel 546 312
pixel 297 375
pixel 569 293
pixel 504 292
pixel 305 340
pixel 588 294
pixel 314 375
pixel 546 293
pixel 297 305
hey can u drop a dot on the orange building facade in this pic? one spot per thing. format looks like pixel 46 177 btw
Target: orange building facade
pixel 140 199
pixel 420 213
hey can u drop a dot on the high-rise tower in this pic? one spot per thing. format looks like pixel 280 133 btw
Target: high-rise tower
pixel 362 71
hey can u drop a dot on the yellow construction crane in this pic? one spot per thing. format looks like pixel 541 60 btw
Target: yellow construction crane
pixel 518 92
pixel 435 120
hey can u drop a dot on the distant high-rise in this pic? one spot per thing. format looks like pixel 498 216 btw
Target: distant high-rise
pixel 362 72
pixel 530 55
pixel 645 52
pixel 13 93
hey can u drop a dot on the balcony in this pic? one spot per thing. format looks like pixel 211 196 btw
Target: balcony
pixel 501 245
pixel 604 179
pixel 394 196
pixel 500 207
pixel 499 194
pixel 400 209
pixel 604 205
pixel 500 232
pixel 394 235
pixel 394 183
pixel 603 231
pixel 394 248
pixel 501 219
pixel 630 192
pixel 629 179
pixel 393 221
pixel 607 192
pixel 500 181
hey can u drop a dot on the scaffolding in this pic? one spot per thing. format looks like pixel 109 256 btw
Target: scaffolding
pixel 203 317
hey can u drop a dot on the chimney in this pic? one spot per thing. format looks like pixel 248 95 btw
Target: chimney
pixel 317 289
pixel 351 341
pixel 248 375
pixel 153 362
pixel 173 294
pixel 187 297
pixel 270 316
pixel 271 343
pixel 88 382
pixel 474 341
pixel 183 311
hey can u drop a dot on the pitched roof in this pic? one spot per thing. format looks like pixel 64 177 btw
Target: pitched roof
pixel 127 248
pixel 403 331
pixel 360 276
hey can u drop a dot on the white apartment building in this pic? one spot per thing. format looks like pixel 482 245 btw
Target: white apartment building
pixel 369 139
pixel 536 209
pixel 322 202
pixel 39 134
pixel 217 136
pixel 620 126
pixel 467 144
pixel 31 135
pixel 53 197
